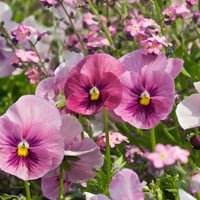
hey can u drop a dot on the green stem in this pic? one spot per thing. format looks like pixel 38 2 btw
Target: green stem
pixel 104 27
pixel 61 186
pixel 108 159
pixel 158 11
pixel 74 28
pixel 38 55
pixel 27 188
pixel 152 139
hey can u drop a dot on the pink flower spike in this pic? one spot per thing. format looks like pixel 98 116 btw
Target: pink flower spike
pixel 23 150
pixel 126 185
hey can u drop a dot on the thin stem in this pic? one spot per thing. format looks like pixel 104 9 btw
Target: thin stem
pixel 152 139
pixel 158 11
pixel 104 27
pixel 38 55
pixel 61 186
pixel 74 28
pixel 27 188
pixel 108 160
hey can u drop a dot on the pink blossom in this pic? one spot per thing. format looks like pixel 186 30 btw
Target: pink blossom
pixel 52 88
pixel 131 150
pixel 125 185
pixel 49 3
pixel 167 155
pixel 23 32
pixel 23 150
pixel 169 14
pixel 154 44
pixel 81 155
pixel 22 55
pixel 114 138
pixel 93 84
pixel 34 75
pixel 195 183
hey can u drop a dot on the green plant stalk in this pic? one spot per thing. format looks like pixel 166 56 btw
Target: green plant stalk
pixel 61 186
pixel 108 159
pixel 74 28
pixel 37 53
pixel 27 188
pixel 105 29
pixel 152 139
pixel 158 11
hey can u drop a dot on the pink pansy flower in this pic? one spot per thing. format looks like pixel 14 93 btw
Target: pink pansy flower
pixel 22 55
pixel 23 150
pixel 125 185
pixel 81 155
pixel 195 183
pixel 114 138
pixel 166 155
pixel 93 84
pixel 50 184
pixel 136 60
pixel 52 88
pixel 188 111
pixel 147 97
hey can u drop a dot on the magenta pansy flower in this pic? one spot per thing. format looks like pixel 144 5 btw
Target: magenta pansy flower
pixel 188 111
pixel 147 98
pixel 82 156
pixel 93 84
pixel 30 140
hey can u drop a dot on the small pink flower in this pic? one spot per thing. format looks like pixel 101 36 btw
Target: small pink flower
pixel 169 14
pixel 34 75
pixel 154 44
pixel 22 55
pixel 23 32
pixel 131 150
pixel 114 138
pixel 166 155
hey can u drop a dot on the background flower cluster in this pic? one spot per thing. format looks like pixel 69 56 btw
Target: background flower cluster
pixel 99 99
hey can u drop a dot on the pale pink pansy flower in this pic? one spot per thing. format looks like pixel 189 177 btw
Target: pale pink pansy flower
pixel 188 111
pixel 52 88
pixel 125 185
pixel 82 156
pixel 23 150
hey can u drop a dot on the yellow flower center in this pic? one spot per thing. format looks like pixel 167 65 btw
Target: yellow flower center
pixel 145 99
pixel 22 149
pixel 94 93
pixel 163 155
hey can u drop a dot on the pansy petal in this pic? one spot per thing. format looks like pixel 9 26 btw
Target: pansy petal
pixel 188 112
